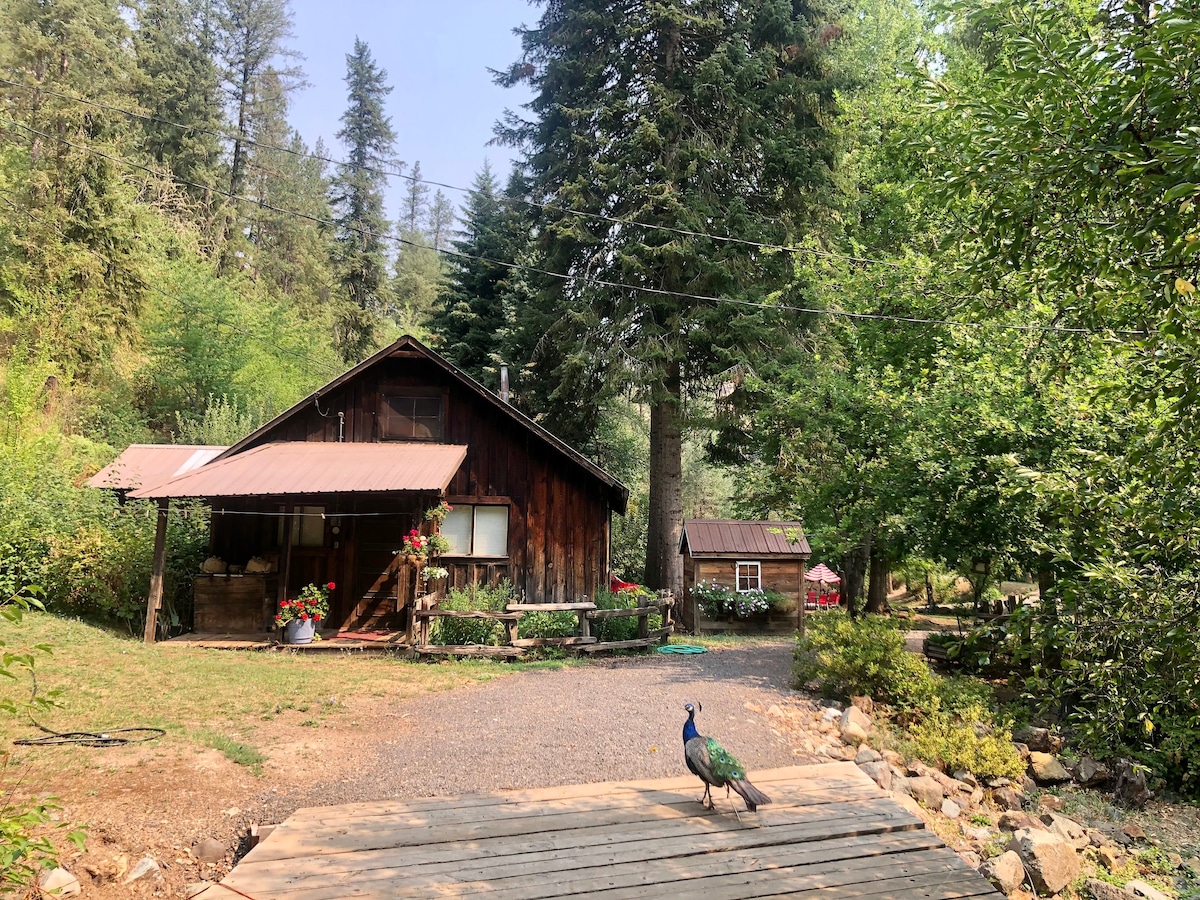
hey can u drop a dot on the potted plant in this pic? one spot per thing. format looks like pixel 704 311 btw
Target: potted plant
pixel 300 618
pixel 415 547
pixel 437 515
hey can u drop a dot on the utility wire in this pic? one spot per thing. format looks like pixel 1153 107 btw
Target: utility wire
pixel 389 173
pixel 583 279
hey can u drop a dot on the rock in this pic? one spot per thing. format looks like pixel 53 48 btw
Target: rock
pixel 196 888
pixel 900 784
pixel 1088 772
pixel 1034 738
pixel 966 778
pixel 1130 788
pixel 1005 871
pixel 1050 861
pixel 856 725
pixel 1008 798
pixel 147 867
pixel 1015 820
pixel 1134 832
pixel 209 850
pixel 926 791
pixel 1050 803
pixel 866 755
pixel 977 833
pixel 866 704
pixel 1193 864
pixel 776 712
pixel 1067 829
pixel 1028 785
pixel 1046 769
pixel 1102 890
pixel 1175 860
pixel 879 771
pixel 1141 889
pixel 894 758
pixel 1110 857
pixel 59 881
pixel 831 713
pixel 1022 749
pixel 950 809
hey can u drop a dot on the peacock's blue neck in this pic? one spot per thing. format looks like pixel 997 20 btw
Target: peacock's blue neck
pixel 689 729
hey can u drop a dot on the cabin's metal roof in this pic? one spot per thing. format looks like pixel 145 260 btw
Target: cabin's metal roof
pixel 618 492
pixel 297 467
pixel 730 537
pixel 149 465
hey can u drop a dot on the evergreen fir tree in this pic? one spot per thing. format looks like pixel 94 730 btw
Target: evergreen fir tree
pixel 471 320
pixel 180 83
pixel 701 115
pixel 416 202
pixel 357 199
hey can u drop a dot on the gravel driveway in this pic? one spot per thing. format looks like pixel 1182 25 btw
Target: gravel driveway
pixel 613 719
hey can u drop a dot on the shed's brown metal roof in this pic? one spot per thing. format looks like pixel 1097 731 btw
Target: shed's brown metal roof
pixel 319 468
pixel 730 537
pixel 149 465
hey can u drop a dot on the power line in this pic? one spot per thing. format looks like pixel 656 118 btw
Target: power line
pixel 583 279
pixel 389 173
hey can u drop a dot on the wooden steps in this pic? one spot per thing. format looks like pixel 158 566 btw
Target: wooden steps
pixel 830 830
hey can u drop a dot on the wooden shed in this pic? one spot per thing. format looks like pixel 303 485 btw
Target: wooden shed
pixel 327 490
pixel 744 556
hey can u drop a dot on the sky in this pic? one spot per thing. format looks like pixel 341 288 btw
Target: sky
pixel 437 54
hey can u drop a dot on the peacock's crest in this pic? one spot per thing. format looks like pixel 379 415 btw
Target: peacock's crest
pixel 724 766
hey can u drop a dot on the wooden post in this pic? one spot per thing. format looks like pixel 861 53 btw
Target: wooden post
pixel 800 600
pixel 285 556
pixel 154 600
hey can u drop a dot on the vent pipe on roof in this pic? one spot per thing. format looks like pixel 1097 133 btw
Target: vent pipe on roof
pixel 504 383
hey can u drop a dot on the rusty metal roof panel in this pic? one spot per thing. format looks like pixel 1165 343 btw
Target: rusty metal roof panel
pixel 149 465
pixel 730 537
pixel 319 468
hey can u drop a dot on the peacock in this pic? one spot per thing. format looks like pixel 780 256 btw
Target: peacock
pixel 715 766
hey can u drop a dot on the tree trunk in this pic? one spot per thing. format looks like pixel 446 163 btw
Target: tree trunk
pixel 877 601
pixel 664 565
pixel 855 564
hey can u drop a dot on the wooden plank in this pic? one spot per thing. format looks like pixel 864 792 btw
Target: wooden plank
pixel 553 642
pixel 465 614
pixel 570 873
pixel 550 607
pixel 468 650
pixel 652 637
pixel 618 613
pixel 811 781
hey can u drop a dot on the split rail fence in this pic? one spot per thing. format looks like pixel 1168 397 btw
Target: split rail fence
pixel 583 641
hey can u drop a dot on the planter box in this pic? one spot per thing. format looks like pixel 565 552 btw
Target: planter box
pixel 763 623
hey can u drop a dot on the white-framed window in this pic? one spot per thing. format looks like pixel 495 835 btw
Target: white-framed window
pixel 480 530
pixel 749 577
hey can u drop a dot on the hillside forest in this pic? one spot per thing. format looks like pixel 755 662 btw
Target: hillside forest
pixel 921 276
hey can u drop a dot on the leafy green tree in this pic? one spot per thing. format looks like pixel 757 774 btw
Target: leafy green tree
pixel 357 199
pixel 701 116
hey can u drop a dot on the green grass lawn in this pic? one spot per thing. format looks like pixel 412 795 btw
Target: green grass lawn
pixel 108 680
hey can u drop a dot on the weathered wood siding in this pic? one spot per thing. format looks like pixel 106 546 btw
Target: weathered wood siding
pixel 558 539
pixel 780 575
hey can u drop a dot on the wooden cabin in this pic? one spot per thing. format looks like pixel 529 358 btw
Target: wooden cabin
pixel 744 556
pixel 327 490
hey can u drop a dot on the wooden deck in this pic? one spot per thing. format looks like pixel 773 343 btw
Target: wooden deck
pixel 831 831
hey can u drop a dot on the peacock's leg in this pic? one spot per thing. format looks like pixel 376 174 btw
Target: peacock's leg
pixel 706 801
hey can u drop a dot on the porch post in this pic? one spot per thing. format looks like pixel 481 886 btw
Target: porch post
pixel 800 602
pixel 154 599
pixel 285 554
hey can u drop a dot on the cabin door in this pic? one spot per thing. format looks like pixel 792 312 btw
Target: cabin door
pixel 382 583
pixel 315 556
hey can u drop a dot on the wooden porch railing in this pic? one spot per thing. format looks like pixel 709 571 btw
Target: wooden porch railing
pixel 581 642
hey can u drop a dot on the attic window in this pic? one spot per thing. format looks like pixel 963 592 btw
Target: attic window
pixel 412 417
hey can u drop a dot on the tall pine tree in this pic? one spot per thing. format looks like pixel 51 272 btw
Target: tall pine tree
pixel 357 199
pixel 701 115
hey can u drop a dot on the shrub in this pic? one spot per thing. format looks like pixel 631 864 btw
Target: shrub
pixel 622 628
pixel 548 624
pixel 473 598
pixel 963 739
pixel 866 656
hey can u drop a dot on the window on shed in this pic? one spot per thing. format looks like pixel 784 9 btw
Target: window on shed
pixel 308 526
pixel 477 530
pixel 412 417
pixel 749 577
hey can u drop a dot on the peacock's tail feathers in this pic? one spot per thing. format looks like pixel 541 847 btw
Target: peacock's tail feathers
pixel 753 796
pixel 724 766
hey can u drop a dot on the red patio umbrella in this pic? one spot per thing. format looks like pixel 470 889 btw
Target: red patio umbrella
pixel 822 574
